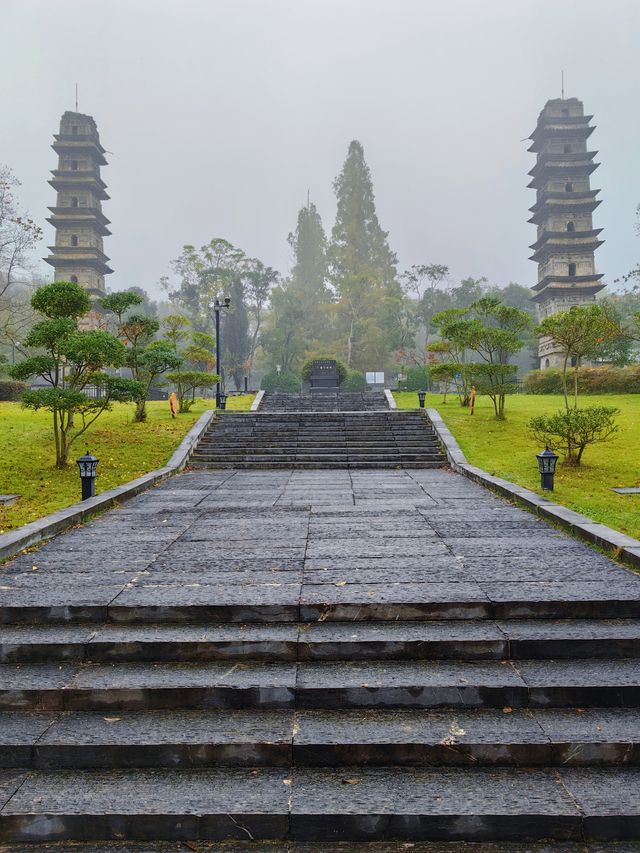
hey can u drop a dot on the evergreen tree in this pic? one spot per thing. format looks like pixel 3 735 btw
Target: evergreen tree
pixel 236 343
pixel 298 322
pixel 363 269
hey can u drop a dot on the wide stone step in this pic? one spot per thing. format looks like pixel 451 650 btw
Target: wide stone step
pixel 325 466
pixel 286 599
pixel 317 804
pixel 506 737
pixel 456 640
pixel 321 685
pixel 327 847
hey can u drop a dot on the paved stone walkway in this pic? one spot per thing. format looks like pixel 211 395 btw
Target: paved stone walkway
pixel 323 656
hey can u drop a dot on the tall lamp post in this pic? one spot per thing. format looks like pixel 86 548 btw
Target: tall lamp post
pixel 216 307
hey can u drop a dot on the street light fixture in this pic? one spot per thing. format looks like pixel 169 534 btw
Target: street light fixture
pixel 216 307
pixel 547 467
pixel 421 396
pixel 88 465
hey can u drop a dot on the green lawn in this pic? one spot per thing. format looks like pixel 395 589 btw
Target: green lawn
pixel 505 449
pixel 125 449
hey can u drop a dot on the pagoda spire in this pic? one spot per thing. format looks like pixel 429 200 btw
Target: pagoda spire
pixel 563 213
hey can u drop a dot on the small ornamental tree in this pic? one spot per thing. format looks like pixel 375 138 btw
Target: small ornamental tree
pixel 578 333
pixel 194 361
pixel 146 358
pixel 493 331
pixel 67 361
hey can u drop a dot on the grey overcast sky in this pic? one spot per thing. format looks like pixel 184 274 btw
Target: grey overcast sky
pixel 219 114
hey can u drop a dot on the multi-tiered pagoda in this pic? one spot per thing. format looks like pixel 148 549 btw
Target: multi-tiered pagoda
pixel 563 213
pixel 78 254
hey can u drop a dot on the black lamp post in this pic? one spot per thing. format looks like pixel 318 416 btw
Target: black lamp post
pixel 217 306
pixel 88 465
pixel 421 396
pixel 222 397
pixel 547 467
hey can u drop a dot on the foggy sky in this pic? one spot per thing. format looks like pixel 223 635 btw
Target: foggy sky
pixel 218 115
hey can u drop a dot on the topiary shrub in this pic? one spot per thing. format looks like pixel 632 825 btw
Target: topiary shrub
pixel 355 381
pixel 285 383
pixel 591 380
pixel 572 431
pixel 417 379
pixel 307 368
pixel 10 391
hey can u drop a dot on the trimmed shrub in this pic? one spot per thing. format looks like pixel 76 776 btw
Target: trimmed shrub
pixel 307 369
pixel 285 383
pixel 417 379
pixel 10 391
pixel 591 380
pixel 355 381
pixel 572 431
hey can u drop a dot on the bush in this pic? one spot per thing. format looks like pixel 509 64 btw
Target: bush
pixel 570 432
pixel 591 380
pixel 417 379
pixel 10 391
pixel 355 381
pixel 307 368
pixel 286 383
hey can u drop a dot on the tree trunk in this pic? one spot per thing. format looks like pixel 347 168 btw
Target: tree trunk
pixel 564 382
pixel 141 411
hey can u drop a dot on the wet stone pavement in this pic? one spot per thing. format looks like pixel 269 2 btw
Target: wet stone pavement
pixel 319 660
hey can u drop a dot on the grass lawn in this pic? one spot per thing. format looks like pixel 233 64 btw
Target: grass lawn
pixel 505 449
pixel 125 449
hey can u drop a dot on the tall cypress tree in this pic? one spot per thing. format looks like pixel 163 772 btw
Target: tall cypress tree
pixel 362 268
pixel 298 323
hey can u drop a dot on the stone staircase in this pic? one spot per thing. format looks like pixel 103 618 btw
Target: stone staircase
pixel 325 400
pixel 289 440
pixel 397 721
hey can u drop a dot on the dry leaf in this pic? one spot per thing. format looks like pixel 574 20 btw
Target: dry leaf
pixel 507 710
pixel 341 583
pixel 34 568
pixel 286 781
pixel 112 719
pixel 350 781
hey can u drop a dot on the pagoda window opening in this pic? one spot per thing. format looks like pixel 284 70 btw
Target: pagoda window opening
pixel 571 226
pixel 73 279
pixel 74 201
pixel 572 269
pixel 74 239
pixel 568 187
pixel 74 129
pixel 74 165
pixel 547 362
pixel 565 111
pixel 567 149
pixel 574 361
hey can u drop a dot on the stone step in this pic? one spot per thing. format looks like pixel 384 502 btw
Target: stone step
pixel 326 466
pixel 456 640
pixel 317 804
pixel 286 599
pixel 321 685
pixel 326 847
pixel 505 737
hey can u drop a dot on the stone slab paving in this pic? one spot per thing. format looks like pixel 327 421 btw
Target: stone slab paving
pixel 328 657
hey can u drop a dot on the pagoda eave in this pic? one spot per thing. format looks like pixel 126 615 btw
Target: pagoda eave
pixel 558 235
pixel 98 265
pixel 571 172
pixel 551 248
pixel 85 214
pixel 79 222
pixel 568 281
pixel 78 139
pixel 559 292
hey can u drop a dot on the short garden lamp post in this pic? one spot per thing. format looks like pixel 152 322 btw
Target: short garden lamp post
pixel 421 396
pixel 547 466
pixel 223 400
pixel 88 465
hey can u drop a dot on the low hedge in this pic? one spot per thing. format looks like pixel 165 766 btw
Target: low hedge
pixel 10 390
pixel 591 380
pixel 416 379
pixel 355 381
pixel 285 383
